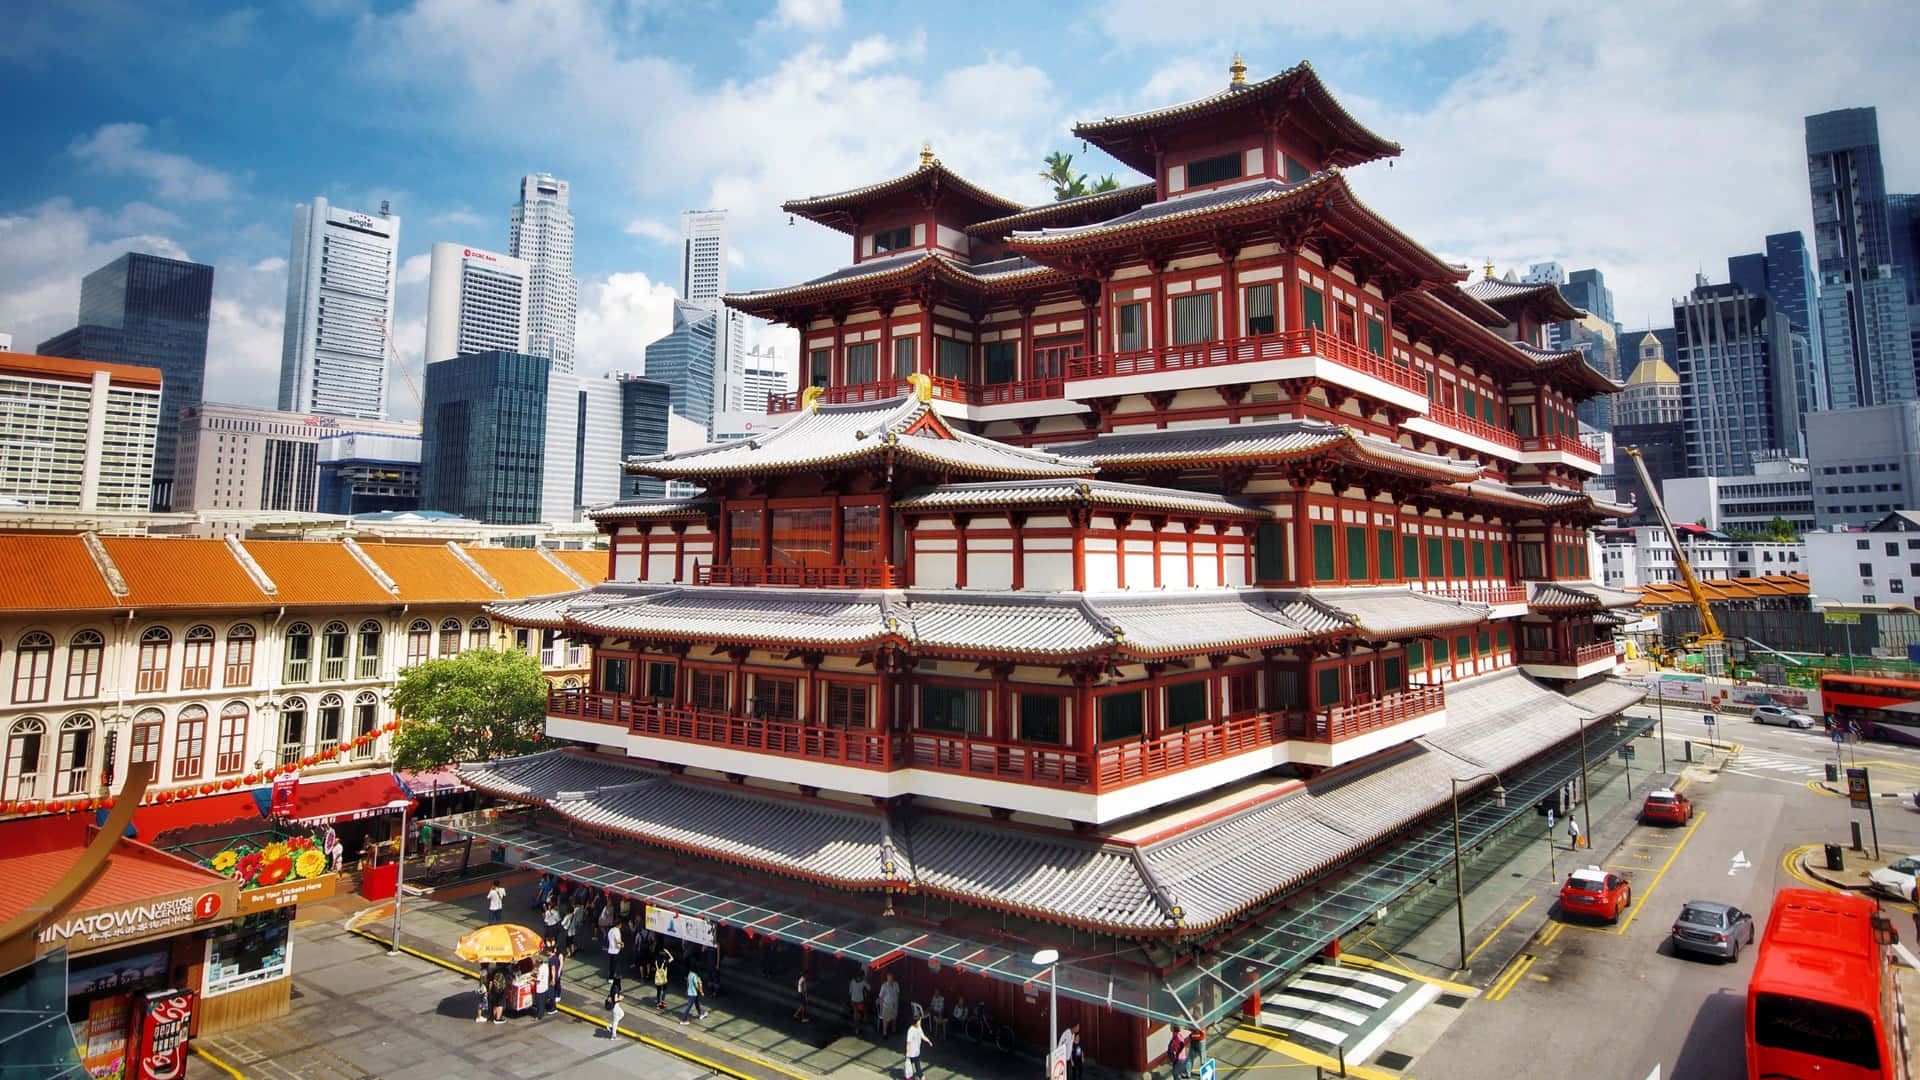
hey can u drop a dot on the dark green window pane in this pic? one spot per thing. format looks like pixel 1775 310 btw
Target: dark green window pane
pixel 1122 716
pixel 1040 718
pixel 1286 689
pixel 1439 650
pixel 1499 560
pixel 1479 558
pixel 1376 337
pixel 1357 553
pixel 1417 654
pixel 1187 703
pixel 1384 541
pixel 1313 308
pixel 1327 687
pixel 1323 553
pixel 1435 567
pixel 1270 552
pixel 1393 673
pixel 1458 549
pixel 1410 555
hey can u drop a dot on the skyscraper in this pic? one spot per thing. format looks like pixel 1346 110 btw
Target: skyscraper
pixel 684 360
pixel 340 280
pixel 645 405
pixel 484 426
pixel 476 302
pixel 1784 275
pixel 703 281
pixel 1735 360
pixel 1863 302
pixel 79 434
pixel 541 235
pixel 1587 290
pixel 146 311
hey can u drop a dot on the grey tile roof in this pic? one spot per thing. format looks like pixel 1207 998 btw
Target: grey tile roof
pixel 1126 195
pixel 1214 619
pixel 923 174
pixel 1079 880
pixel 1241 194
pixel 830 435
pixel 799 616
pixel 1497 721
pixel 1286 438
pixel 1608 696
pixel 1038 624
pixel 1380 612
pixel 540 777
pixel 652 508
pixel 551 611
pixel 1493 290
pixel 1076 492
pixel 1562 595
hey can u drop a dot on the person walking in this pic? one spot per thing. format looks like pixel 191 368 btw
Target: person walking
pixel 550 918
pixel 937 1013
pixel 614 944
pixel 800 990
pixel 616 1012
pixel 1076 1055
pixel 857 1000
pixel 662 971
pixel 1177 1054
pixel 693 996
pixel 1573 833
pixel 889 1002
pixel 542 986
pixel 496 901
pixel 571 926
pixel 916 1041
pixel 554 963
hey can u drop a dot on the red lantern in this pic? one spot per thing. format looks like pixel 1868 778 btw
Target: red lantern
pixel 250 779
pixel 308 761
pixel 271 773
pixel 207 789
pixel 226 785
pixel 106 803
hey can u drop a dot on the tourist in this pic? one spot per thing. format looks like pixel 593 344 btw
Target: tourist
pixel 480 1011
pixel 916 1041
pixel 693 996
pixel 572 925
pixel 614 944
pixel 662 971
pixel 800 989
pixel 338 852
pixel 550 918
pixel 554 964
pixel 545 891
pixel 1076 1056
pixel 496 902
pixel 938 1013
pixel 615 1013
pixel 857 999
pixel 1177 1053
pixel 498 986
pixel 542 985
pixel 889 1001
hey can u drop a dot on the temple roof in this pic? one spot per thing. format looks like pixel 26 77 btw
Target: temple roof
pixel 635 509
pixel 1104 493
pixel 1383 613
pixel 897 271
pixel 1578 596
pixel 1259 443
pixel 1297 92
pixel 1513 295
pixel 840 209
pixel 1080 209
pixel 902 430
pixel 1542 496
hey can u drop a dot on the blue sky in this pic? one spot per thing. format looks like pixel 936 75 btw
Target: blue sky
pixel 1651 142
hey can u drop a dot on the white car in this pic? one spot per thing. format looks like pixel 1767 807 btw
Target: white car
pixel 1897 878
pixel 1781 715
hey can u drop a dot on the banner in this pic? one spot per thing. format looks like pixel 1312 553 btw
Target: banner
pixel 165 1017
pixel 286 795
pixel 685 927
pixel 1859 790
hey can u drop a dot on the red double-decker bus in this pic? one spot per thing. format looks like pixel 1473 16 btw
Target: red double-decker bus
pixel 1822 1002
pixel 1886 709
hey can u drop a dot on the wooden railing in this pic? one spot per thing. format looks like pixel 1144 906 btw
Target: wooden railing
pixel 808 577
pixel 1470 425
pixel 1346 721
pixel 944 388
pixel 1566 444
pixel 866 749
pixel 1047 389
pixel 1481 594
pixel 1247 350
pixel 1121 764
pixel 1575 656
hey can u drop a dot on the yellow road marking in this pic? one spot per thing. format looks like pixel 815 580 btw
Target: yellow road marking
pixel 1496 930
pixel 1815 787
pixel 1639 898
pixel 1790 862
pixel 1368 962
pixel 1512 977
pixel 217 1063
pixel 1399 964
pixel 1552 931
pixel 1275 1042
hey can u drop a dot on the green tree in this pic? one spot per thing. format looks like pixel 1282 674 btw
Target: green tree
pixel 1105 183
pixel 1066 183
pixel 1782 530
pixel 476 706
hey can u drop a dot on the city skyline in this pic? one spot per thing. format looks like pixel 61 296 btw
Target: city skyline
pixel 847 95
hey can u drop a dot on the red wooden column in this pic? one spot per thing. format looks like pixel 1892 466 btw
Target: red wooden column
pixel 723 540
pixel 959 551
pixel 680 551
pixel 646 550
pixel 1085 741
pixel 885 708
pixel 1079 518
pixel 883 367
pixel 1002 726
pixel 1018 523
pixel 1230 289
pixel 1025 368
pixel 837 546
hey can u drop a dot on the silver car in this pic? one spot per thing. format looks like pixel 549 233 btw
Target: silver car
pixel 1711 928
pixel 1782 716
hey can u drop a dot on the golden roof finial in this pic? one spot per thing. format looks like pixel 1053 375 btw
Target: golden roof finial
pixel 926 154
pixel 1489 269
pixel 810 398
pixel 922 386
pixel 1238 69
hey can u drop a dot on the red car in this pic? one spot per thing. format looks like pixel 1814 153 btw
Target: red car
pixel 1595 892
pixel 1667 805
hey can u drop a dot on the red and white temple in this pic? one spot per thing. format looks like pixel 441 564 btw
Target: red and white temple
pixel 1132 567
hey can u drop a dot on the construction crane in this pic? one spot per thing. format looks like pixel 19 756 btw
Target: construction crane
pixel 1710 641
pixel 394 355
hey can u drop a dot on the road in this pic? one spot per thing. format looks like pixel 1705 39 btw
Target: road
pixel 1588 999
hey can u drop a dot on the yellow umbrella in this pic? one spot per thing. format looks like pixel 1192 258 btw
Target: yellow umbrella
pixel 499 944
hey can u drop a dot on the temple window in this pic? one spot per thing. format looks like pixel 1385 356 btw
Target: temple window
pixel 1326 688
pixel 1186 703
pixel 1242 693
pixel 950 358
pixel 1122 716
pixel 1436 568
pixel 953 709
pixel 1376 337
pixel 1040 718
pixel 893 240
pixel 819 367
pixel 1296 171
pixel 743 529
pixel 863 363
pixel 1457 558
pixel 802 536
pixel 1129 323
pixel 660 680
pixel 1270 552
pixel 904 356
pixel 710 690
pixel 1001 359
pixel 616 675
pixel 1260 310
pixel 860 535
pixel 1313 308
pixel 1216 170
pixel 1193 319
pixel 1323 567
pixel 775 699
pixel 1383 541
pixel 1409 555
pixel 1393 674
pixel 846 705
pixel 1357 553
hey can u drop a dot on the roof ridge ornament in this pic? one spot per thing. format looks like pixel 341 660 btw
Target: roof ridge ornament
pixel 927 160
pixel 922 386
pixel 1238 69
pixel 810 398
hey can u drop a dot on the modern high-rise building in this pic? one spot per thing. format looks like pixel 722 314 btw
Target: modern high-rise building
pixel 1597 340
pixel 240 457
pixel 645 408
pixel 1865 462
pixel 77 434
pixel 764 376
pixel 1652 393
pixel 685 359
pixel 365 473
pixel 1866 331
pixel 340 282
pixel 484 429
pixel 599 437
pixel 541 235
pixel 1735 360
pixel 1784 275
pixel 146 311
pixel 476 302
pixel 703 281
pixel 1587 290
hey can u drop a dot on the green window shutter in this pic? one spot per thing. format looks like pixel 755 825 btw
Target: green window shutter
pixel 1383 540
pixel 1486 410
pixel 1323 553
pixel 1479 558
pixel 1499 560
pixel 1416 654
pixel 1357 553
pixel 1433 389
pixel 1436 566
pixel 1270 552
pixel 1439 650
pixel 1503 639
pixel 1410 555
pixel 1376 337
pixel 1313 308
pixel 1458 550
pixel 1122 716
pixel 1463 647
pixel 1393 674
pixel 1187 703
pixel 1469 401
pixel 1327 687
pixel 1286 689
pixel 1484 642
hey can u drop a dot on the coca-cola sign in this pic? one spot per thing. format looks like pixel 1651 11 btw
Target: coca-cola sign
pixel 165 1022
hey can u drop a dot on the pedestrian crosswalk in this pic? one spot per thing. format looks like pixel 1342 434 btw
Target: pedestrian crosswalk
pixel 1779 766
pixel 1327 1006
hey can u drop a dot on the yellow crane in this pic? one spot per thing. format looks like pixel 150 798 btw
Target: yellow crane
pixel 1710 641
pixel 394 355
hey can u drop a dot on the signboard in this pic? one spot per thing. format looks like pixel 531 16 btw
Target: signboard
pixel 256 951
pixel 1627 751
pixel 1841 618
pixel 286 795
pixel 1839 736
pixel 102 1039
pixel 685 927
pixel 286 893
pixel 1859 792
pixel 165 1017
pixel 138 920
pixel 1207 1069
pixel 1708 719
pixel 1057 1057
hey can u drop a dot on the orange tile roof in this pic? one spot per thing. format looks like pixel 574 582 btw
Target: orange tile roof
pixel 591 565
pixel 177 571
pixel 50 573
pixel 60 367
pixel 316 572
pixel 521 571
pixel 430 574
pixel 40 850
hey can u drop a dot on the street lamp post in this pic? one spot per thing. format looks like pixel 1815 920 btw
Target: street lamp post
pixel 399 870
pixel 1459 882
pixel 1586 801
pixel 1050 959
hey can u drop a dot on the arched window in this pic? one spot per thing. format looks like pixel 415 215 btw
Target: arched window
pixel 239 656
pixel 230 753
pixel 479 633
pixel 299 653
pixel 196 659
pixel 332 711
pixel 156 651
pixel 293 730
pixel 23 757
pixel 366 717
pixel 333 652
pixel 147 725
pixel 369 650
pixel 419 642
pixel 190 743
pixel 571 682
pixel 450 637
pixel 76 755
pixel 84 653
pixel 32 667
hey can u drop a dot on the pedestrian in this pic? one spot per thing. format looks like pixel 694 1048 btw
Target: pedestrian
pixel 800 990
pixel 916 1041
pixel 496 901
pixel 542 986
pixel 938 1011
pixel 1076 1055
pixel 545 892
pixel 498 986
pixel 339 853
pixel 857 1000
pixel 1177 1053
pixel 550 918
pixel 572 925
pixel 889 1001
pixel 693 996
pixel 616 1012
pixel 662 971
pixel 554 965
pixel 1573 832
pixel 614 945
pixel 480 1010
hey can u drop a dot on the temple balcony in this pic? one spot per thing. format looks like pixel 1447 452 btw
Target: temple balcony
pixel 1468 432
pixel 1293 354
pixel 1559 450
pixel 1571 662
pixel 805 577
pixel 1344 733
pixel 1507 600
pixel 1046 396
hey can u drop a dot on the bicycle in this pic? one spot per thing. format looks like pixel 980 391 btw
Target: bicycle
pixel 982 1028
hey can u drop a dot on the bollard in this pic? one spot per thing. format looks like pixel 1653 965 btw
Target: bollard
pixel 1834 859
pixel 1689 745
pixel 1857 845
pixel 1833 772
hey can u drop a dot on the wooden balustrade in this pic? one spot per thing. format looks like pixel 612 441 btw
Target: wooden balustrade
pixel 1566 444
pixel 1282 346
pixel 1571 656
pixel 1471 425
pixel 1481 594
pixel 806 577
pixel 1346 721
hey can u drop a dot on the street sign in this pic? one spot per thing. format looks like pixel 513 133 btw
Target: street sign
pixel 1842 618
pixel 1859 793
pixel 1206 1069
pixel 1549 821
pixel 1839 736
pixel 1627 751
pixel 1708 719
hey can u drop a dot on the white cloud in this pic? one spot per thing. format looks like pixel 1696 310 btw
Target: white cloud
pixel 121 149
pixel 808 14
pixel 414 269
pixel 653 230
pixel 49 249
pixel 244 334
pixel 619 317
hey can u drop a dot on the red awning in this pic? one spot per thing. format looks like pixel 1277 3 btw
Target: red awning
pixel 211 811
pixel 323 802
pixel 444 778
